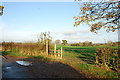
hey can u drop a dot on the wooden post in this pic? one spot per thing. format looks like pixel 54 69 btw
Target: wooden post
pixel 58 52
pixel 55 50
pixel 47 47
pixel 61 52
pixel 96 59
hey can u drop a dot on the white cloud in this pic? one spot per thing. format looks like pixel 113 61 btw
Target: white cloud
pixel 85 35
pixel 76 32
pixel 22 34
pixel 69 33
pixel 18 35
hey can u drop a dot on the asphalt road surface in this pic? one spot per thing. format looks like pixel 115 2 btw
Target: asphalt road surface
pixel 39 69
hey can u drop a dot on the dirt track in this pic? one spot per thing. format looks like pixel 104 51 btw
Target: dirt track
pixel 39 69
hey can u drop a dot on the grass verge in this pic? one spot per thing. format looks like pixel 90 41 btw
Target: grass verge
pixel 83 58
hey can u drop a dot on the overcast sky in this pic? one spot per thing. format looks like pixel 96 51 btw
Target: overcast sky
pixel 24 21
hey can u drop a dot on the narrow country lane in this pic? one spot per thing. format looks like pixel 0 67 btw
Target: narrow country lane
pixel 38 69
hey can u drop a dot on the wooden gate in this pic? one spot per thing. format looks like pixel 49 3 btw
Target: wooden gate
pixel 57 52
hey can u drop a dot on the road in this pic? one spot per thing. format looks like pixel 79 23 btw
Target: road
pixel 10 69
pixel 39 69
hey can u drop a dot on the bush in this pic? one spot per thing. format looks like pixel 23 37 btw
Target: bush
pixel 108 57
pixel 32 49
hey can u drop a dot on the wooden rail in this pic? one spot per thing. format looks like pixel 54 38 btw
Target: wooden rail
pixel 58 53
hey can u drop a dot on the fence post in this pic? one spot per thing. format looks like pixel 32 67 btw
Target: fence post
pixel 47 47
pixel 55 50
pixel 96 59
pixel 58 54
pixel 61 52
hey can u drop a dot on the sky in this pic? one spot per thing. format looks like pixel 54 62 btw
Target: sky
pixel 24 21
pixel 55 0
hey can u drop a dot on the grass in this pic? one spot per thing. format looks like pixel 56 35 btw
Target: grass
pixel 44 58
pixel 12 53
pixel 81 58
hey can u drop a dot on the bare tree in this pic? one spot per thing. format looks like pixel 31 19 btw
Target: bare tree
pixel 44 36
pixel 45 39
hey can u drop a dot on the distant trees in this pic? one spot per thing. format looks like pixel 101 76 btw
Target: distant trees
pixel 64 42
pixel 86 43
pixel 110 43
pixel 100 15
pixel 57 41
pixel 75 44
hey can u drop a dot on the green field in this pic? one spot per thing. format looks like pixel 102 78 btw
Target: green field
pixel 83 58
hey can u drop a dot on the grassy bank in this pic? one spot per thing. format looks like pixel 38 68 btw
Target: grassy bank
pixel 83 58
pixel 42 57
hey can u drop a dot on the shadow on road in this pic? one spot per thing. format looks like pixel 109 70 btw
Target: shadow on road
pixel 38 69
